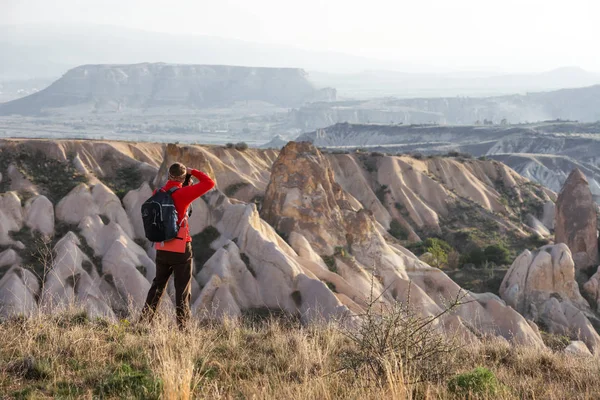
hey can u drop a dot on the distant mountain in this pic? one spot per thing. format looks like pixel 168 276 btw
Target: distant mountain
pixel 477 84
pixel 141 86
pixel 580 104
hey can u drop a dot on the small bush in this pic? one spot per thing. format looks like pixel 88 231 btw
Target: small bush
pixel 421 248
pixel 330 263
pixel 229 145
pixel 397 230
pixel 394 339
pixel 381 193
pixel 479 382
pixel 241 146
pixel 497 254
pixel 331 286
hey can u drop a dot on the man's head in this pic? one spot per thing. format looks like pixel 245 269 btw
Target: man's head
pixel 177 172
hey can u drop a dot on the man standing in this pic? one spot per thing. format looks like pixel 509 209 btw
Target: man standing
pixel 175 256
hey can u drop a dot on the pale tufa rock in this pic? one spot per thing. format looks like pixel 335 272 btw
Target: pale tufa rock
pixel 541 285
pixel 39 215
pixel 578 348
pixel 18 290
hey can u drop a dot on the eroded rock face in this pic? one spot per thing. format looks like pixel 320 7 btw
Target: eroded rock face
pixel 304 201
pixel 303 196
pixel 252 267
pixel 541 286
pixel 576 223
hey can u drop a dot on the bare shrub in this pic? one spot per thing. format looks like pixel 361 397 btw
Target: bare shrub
pixel 394 338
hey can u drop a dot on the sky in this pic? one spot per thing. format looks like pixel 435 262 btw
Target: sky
pixel 502 35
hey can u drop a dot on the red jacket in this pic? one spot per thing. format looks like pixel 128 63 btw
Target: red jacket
pixel 184 196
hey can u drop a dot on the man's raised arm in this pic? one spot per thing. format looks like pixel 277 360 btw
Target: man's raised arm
pixel 190 193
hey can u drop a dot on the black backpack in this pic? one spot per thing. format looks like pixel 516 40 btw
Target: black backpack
pixel 160 216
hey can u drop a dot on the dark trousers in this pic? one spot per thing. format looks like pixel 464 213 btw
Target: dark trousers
pixel 180 265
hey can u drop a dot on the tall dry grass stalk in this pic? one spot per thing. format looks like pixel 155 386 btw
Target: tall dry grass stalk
pixel 67 355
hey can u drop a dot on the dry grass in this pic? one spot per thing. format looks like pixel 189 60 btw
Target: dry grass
pixel 69 356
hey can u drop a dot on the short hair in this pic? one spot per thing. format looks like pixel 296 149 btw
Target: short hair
pixel 177 171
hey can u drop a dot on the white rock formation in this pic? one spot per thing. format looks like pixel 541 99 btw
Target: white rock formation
pixel 18 289
pixel 121 257
pixel 8 258
pixel 541 285
pixel 11 216
pixel 578 348
pixel 77 205
pixel 74 281
pixel 133 204
pixel 39 215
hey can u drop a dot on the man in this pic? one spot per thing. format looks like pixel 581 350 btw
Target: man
pixel 175 256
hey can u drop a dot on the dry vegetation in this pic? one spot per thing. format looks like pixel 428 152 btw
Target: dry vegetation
pixel 69 356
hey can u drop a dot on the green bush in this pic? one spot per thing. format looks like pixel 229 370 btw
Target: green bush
pixel 476 383
pixel 330 262
pixel 397 230
pixel 422 247
pixel 440 256
pixel 497 254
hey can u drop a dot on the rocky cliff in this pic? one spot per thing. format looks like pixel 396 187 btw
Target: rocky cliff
pixel 113 88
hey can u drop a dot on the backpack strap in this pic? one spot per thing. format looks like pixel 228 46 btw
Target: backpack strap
pixel 172 190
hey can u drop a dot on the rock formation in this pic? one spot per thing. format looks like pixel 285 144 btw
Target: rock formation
pixel 576 222
pixel 337 246
pixel 304 202
pixel 541 286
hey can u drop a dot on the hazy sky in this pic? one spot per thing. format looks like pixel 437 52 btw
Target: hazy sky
pixel 510 35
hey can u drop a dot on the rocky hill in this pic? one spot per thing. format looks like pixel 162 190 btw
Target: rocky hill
pixel 297 230
pixel 110 88
pixel 545 152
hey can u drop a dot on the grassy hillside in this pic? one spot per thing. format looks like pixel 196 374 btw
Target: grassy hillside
pixel 69 356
